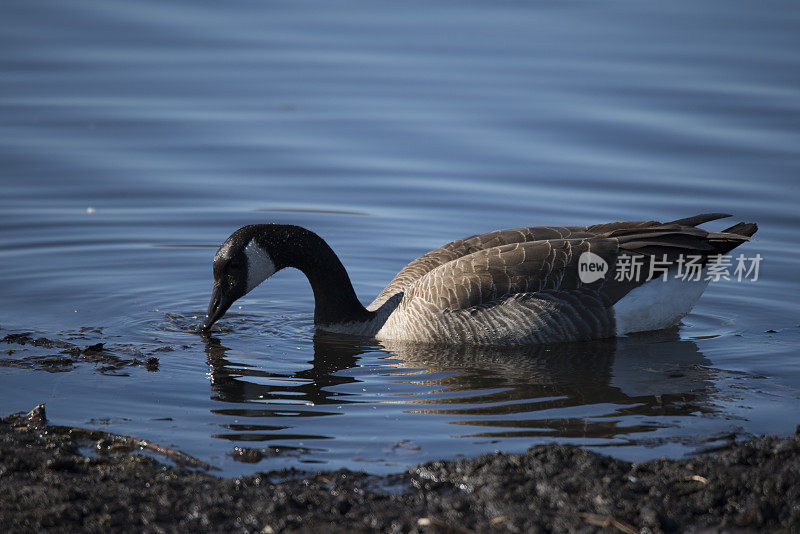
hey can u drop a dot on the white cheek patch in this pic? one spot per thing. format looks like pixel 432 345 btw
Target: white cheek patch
pixel 259 265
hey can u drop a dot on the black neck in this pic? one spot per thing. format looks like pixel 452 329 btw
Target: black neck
pixel 334 297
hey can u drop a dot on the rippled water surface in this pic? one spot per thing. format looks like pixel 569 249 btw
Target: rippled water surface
pixel 135 137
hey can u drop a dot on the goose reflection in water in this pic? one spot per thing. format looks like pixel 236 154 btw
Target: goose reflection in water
pixel 569 390
pixel 274 396
pixel 609 389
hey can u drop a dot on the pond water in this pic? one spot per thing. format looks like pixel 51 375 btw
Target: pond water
pixel 134 138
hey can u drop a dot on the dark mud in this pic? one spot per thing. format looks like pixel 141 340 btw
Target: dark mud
pixel 47 484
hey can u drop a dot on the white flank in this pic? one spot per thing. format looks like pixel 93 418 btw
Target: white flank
pixel 259 265
pixel 657 304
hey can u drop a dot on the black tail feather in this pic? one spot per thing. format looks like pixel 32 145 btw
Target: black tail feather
pixel 743 228
pixel 700 219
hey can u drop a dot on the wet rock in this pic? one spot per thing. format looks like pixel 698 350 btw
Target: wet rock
pixel 43 342
pixel 20 364
pixel 254 455
pixel 26 338
pixel 72 351
pixel 247 455
pixel 20 338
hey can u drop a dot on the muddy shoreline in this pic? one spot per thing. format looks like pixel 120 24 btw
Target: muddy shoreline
pixel 48 484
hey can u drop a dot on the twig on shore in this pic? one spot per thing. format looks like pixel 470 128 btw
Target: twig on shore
pixel 605 521
pixel 37 419
pixel 176 456
pixel 441 526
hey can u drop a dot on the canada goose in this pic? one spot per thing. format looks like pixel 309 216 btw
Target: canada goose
pixel 520 285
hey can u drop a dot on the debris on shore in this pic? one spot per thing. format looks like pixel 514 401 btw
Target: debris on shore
pixel 58 356
pixel 46 483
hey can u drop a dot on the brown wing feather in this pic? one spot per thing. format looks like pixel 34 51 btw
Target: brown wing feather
pixel 679 235
pixel 489 275
pixel 492 274
pixel 469 245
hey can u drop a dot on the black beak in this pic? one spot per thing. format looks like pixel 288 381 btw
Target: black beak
pixel 220 302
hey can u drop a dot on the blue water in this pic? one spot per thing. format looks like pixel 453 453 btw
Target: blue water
pixel 134 137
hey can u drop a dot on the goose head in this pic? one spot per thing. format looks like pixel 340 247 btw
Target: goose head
pixel 241 263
